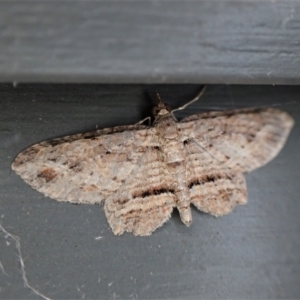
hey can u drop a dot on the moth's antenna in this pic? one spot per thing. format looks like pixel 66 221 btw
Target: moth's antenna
pixel 158 99
pixel 192 101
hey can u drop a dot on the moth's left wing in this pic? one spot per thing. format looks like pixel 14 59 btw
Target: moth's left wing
pixel 84 168
pixel 241 140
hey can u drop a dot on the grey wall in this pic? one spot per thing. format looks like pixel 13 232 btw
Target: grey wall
pixel 253 253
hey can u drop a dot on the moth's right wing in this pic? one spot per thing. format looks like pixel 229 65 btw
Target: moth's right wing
pixel 220 146
pixel 241 140
pixel 84 168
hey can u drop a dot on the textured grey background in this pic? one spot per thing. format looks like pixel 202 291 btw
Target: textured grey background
pixel 211 41
pixel 251 253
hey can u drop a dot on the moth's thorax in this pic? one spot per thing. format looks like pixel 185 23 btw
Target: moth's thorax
pixel 166 127
pixel 170 141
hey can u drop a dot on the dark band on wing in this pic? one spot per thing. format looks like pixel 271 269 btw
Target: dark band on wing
pixel 209 178
pixel 153 192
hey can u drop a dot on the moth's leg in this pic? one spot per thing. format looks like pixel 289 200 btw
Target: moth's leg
pixel 144 120
pixel 192 101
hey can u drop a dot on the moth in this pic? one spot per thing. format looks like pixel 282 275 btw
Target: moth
pixel 141 173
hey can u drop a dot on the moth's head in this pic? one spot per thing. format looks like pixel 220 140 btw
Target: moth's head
pixel 160 109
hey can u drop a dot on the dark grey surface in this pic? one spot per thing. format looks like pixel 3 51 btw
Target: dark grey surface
pixel 220 41
pixel 251 253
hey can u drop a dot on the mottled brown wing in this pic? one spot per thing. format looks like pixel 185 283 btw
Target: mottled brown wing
pixel 220 146
pixel 146 199
pixel 241 140
pixel 84 168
